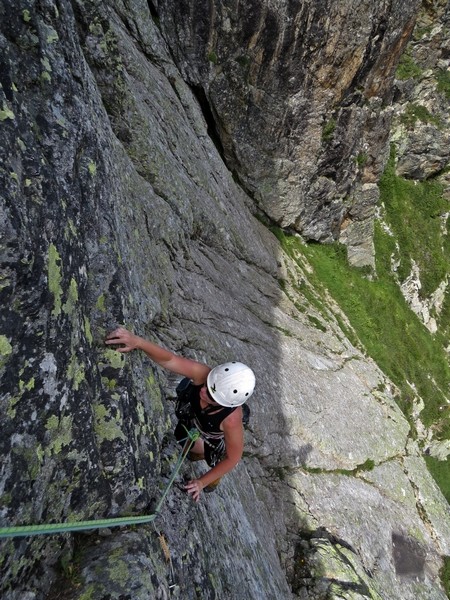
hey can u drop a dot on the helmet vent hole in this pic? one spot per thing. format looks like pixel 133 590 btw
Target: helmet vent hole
pixel 227 369
pixel 246 394
pixel 234 391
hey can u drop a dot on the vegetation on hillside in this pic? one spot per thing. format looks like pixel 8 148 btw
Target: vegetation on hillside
pixel 416 212
pixel 389 331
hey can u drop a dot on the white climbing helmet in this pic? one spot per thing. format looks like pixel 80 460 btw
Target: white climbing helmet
pixel 231 384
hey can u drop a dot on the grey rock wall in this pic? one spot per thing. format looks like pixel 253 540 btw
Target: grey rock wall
pixel 118 208
pixel 300 96
pixel 422 141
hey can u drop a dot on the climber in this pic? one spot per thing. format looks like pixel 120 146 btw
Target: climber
pixel 216 399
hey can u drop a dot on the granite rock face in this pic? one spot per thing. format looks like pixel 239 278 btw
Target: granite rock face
pixel 299 94
pixel 422 140
pixel 117 208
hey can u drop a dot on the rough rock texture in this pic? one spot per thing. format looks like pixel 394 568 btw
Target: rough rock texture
pixel 299 93
pixel 118 208
pixel 423 145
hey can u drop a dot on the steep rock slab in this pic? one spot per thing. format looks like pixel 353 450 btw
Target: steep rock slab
pixel 357 536
pixel 397 552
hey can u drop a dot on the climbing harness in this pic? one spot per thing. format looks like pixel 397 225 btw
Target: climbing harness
pixel 52 528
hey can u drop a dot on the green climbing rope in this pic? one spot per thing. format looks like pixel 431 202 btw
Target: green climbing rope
pixel 52 528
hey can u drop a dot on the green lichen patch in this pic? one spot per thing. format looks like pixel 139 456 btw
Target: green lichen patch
pixel 32 460
pixel 6 113
pixel 55 278
pixel 100 305
pixel 88 593
pixel 26 386
pixel 46 64
pixel 70 230
pixel 107 426
pixel 60 433
pixel 92 168
pixel 52 423
pixel 5 350
pixel 46 73
pixel 155 394
pixel 5 346
pixel 75 372
pixel 114 359
pixel 4 283
pixel 11 410
pixel 52 36
pixel 119 570
pixel 140 411
pixel 87 330
pixel 110 384
pixel 72 298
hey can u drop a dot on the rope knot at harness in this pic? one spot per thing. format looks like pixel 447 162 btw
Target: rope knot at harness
pixel 53 528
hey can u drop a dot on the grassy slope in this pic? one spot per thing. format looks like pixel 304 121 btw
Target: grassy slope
pixel 387 328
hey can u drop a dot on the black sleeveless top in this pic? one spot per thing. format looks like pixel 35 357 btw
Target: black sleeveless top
pixel 207 420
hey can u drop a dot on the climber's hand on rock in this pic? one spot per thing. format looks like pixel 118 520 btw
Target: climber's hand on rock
pixel 121 336
pixel 194 488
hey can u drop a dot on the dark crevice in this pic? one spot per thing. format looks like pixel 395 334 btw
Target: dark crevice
pixel 212 130
pixel 227 154
pixel 153 11
pixel 355 92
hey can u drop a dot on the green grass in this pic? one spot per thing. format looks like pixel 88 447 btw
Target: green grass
pixel 440 471
pixel 413 211
pixel 361 159
pixel 443 83
pixel 389 331
pixel 445 575
pixel 407 68
pixel 417 112
pixel 212 57
pixel 328 130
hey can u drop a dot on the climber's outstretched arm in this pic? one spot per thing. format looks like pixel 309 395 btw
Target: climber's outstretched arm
pixel 128 341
